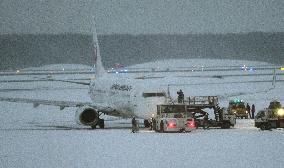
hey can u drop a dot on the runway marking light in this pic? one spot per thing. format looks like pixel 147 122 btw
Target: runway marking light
pixel 244 68
pixel 280 112
pixel 251 69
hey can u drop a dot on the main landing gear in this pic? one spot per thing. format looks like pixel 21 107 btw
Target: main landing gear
pixel 100 123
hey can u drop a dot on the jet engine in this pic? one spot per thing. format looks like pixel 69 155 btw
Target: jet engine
pixel 87 115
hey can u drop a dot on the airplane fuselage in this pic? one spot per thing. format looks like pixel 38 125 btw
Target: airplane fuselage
pixel 125 95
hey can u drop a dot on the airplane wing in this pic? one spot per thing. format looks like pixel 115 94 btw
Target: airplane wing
pixel 43 73
pixel 149 77
pixel 67 81
pixel 62 104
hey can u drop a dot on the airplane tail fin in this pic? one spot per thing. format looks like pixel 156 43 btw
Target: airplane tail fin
pixel 99 69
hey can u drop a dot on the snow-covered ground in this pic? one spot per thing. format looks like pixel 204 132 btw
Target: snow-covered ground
pixel 48 137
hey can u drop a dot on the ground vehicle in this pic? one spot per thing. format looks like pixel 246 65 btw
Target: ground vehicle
pixel 192 111
pixel 173 118
pixel 238 108
pixel 271 117
pixel 222 119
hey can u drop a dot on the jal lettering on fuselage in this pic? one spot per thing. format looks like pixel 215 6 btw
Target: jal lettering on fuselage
pixel 121 87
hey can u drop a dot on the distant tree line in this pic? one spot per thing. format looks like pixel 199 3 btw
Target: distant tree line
pixel 25 50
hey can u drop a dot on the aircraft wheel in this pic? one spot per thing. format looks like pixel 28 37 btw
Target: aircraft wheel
pixel 226 125
pixel 268 127
pixel 263 127
pixel 196 125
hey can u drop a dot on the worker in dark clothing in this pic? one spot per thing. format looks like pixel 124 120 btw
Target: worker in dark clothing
pixel 205 121
pixel 162 126
pixel 151 124
pixel 134 125
pixel 154 124
pixel 252 111
pixel 248 110
pixel 180 96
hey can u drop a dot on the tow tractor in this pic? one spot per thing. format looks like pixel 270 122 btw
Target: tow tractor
pixel 238 108
pixel 189 115
pixel 271 117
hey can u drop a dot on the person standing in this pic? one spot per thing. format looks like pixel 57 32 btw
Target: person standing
pixel 180 96
pixel 205 121
pixel 154 124
pixel 162 126
pixel 134 125
pixel 252 111
pixel 248 110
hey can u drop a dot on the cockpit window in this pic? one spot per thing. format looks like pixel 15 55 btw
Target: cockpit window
pixel 154 94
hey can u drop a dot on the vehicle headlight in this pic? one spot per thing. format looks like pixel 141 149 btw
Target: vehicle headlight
pixel 280 112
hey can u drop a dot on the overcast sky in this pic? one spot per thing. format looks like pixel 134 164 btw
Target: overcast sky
pixel 141 16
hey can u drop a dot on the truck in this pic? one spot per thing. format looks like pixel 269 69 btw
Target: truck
pixel 173 118
pixel 238 108
pixel 189 115
pixel 222 118
pixel 271 117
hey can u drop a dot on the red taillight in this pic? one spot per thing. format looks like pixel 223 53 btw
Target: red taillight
pixel 171 124
pixel 191 123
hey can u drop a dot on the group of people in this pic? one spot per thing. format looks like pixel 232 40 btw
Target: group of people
pixel 251 110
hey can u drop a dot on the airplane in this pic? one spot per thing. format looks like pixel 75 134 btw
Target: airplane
pixel 112 95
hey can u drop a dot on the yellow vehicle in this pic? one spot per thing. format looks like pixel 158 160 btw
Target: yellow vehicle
pixel 238 108
pixel 271 117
